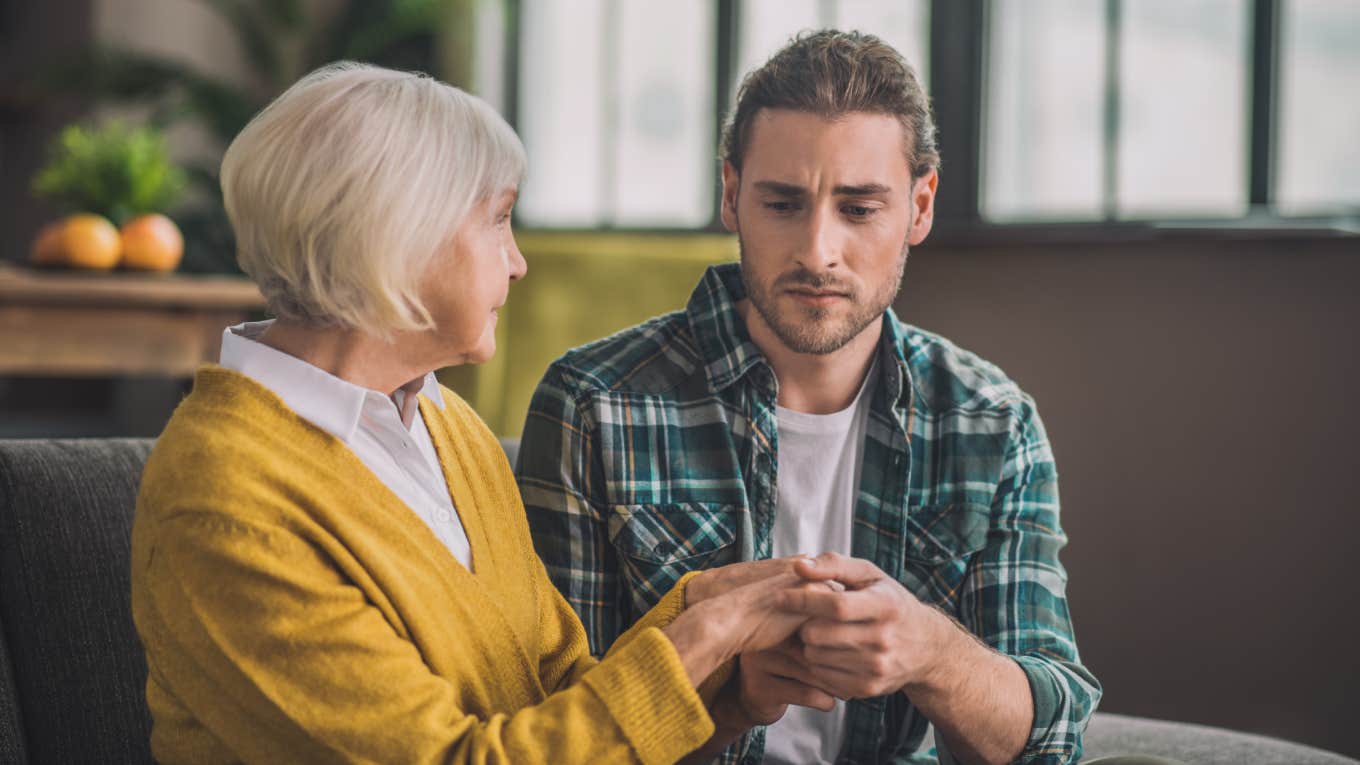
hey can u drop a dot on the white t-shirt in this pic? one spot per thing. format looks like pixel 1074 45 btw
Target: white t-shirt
pixel 366 421
pixel 819 469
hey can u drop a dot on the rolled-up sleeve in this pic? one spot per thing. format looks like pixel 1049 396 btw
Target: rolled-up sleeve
pixel 1016 601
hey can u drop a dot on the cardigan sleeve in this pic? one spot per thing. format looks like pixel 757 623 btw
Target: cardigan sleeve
pixel 281 659
pixel 564 656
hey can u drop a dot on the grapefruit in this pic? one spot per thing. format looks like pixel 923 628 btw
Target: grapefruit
pixel 152 242
pixel 47 246
pixel 90 241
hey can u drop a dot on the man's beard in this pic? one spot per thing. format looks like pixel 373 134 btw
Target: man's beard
pixel 812 330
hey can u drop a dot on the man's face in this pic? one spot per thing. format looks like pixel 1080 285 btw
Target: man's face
pixel 825 211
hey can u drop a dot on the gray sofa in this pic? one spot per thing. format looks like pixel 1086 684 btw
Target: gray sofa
pixel 72 670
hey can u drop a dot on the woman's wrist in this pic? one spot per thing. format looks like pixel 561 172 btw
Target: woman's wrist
pixel 703 639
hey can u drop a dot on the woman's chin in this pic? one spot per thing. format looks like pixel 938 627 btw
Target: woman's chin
pixel 481 354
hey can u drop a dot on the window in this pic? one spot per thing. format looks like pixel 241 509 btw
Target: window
pixel 617 112
pixel 618 98
pixel 1086 107
pixel 766 25
pixel 1044 136
pixel 1051 111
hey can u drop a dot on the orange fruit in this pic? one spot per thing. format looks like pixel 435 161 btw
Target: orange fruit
pixel 90 241
pixel 152 242
pixel 47 246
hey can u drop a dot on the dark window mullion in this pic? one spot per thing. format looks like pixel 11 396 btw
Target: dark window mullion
pixel 1265 58
pixel 957 38
pixel 510 59
pixel 726 39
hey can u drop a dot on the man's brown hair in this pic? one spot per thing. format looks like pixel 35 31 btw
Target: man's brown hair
pixel 832 73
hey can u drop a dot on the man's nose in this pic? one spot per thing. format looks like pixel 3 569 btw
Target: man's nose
pixel 822 247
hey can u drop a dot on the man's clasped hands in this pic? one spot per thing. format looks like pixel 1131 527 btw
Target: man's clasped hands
pixel 808 631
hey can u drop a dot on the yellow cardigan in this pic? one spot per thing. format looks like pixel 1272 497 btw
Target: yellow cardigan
pixel 294 610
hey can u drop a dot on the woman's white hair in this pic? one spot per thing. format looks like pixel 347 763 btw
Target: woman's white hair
pixel 344 189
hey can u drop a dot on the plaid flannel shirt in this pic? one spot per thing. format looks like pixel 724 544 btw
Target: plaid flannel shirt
pixel 651 453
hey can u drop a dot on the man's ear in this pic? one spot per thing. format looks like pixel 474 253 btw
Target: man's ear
pixel 731 182
pixel 923 206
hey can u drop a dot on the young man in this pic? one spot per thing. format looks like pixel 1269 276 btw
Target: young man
pixel 786 410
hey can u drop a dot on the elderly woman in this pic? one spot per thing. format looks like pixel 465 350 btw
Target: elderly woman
pixel 330 558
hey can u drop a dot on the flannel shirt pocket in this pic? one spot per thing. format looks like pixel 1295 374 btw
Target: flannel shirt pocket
pixel 942 532
pixel 942 542
pixel 658 544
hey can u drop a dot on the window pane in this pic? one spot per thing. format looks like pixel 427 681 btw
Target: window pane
pixel 903 24
pixel 1319 138
pixel 665 157
pixel 489 66
pixel 1183 119
pixel 561 111
pixel 766 25
pixel 1043 130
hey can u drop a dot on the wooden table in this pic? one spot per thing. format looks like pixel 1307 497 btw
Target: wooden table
pixel 78 324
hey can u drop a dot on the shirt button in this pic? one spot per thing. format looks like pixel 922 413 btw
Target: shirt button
pixel 663 548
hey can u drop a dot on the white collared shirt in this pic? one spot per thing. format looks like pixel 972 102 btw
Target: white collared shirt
pixel 367 421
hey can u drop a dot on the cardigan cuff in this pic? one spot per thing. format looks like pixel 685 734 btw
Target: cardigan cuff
pixel 647 691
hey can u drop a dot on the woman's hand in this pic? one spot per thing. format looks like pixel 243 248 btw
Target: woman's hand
pixel 716 581
pixel 743 619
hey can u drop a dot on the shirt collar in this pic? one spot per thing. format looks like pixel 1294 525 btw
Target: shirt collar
pixel 729 353
pixel 724 343
pixel 321 398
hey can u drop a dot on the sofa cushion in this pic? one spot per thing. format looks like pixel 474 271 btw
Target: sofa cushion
pixel 1111 734
pixel 65 598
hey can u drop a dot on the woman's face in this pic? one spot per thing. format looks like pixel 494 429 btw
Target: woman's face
pixel 470 280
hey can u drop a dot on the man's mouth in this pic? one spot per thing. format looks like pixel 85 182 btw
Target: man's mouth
pixel 816 297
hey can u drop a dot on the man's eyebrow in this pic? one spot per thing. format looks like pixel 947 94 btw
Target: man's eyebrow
pixel 848 190
pixel 782 189
pixel 861 190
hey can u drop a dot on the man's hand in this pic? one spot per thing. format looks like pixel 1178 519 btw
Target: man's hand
pixel 873 638
pixel 716 581
pixel 767 684
pixel 757 694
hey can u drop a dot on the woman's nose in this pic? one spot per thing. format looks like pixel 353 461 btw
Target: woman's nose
pixel 518 266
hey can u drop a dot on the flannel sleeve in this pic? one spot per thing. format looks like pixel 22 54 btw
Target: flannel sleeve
pixel 561 481
pixel 1015 597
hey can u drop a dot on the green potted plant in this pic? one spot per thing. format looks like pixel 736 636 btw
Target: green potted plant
pixel 117 181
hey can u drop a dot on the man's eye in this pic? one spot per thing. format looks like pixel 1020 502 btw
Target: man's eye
pixel 780 207
pixel 859 211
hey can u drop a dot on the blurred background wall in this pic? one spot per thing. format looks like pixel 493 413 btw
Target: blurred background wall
pixel 1148 217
